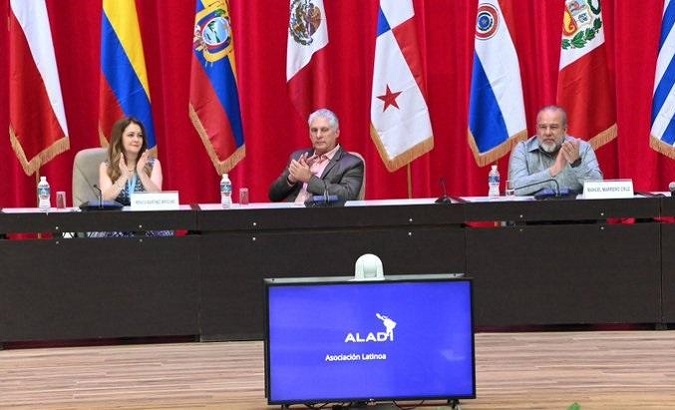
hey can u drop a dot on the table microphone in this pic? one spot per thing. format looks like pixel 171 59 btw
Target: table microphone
pixel 548 193
pixel 100 196
pixel 100 204
pixel 443 199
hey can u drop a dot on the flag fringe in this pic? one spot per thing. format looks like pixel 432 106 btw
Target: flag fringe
pixel 604 137
pixel 31 166
pixel 661 147
pixel 222 166
pixel 103 139
pixel 497 152
pixel 414 152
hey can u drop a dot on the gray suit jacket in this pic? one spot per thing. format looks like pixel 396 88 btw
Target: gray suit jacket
pixel 343 177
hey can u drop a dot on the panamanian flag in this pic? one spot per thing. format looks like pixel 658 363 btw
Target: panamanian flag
pixel 400 124
pixel 496 108
pixel 663 103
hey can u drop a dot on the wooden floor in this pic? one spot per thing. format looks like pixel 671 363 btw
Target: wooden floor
pixel 552 370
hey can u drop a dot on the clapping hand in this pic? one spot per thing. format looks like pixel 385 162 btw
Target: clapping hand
pixel 299 169
pixel 123 167
pixel 142 162
pixel 570 150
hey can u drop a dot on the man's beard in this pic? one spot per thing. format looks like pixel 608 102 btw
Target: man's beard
pixel 550 147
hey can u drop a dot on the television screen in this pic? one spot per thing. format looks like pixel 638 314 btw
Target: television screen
pixel 338 340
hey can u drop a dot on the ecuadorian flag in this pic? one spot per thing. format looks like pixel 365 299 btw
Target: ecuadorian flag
pixel 214 98
pixel 124 80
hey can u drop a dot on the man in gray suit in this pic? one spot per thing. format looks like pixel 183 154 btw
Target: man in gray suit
pixel 324 168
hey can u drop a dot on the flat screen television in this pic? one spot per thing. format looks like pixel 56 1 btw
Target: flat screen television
pixel 336 340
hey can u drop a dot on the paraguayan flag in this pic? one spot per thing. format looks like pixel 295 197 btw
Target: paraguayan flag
pixel 496 109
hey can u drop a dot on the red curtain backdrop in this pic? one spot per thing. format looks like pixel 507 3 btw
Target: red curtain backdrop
pixel 272 127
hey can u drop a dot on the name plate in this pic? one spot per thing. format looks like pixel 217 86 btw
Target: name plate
pixel 155 201
pixel 609 188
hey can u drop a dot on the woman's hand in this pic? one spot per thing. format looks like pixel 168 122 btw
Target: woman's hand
pixel 125 172
pixel 141 163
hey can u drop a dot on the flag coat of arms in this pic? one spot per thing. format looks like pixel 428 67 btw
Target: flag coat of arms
pixel 306 66
pixel 37 119
pixel 124 86
pixel 214 97
pixel 400 124
pixel 585 88
pixel 496 108
pixel 662 136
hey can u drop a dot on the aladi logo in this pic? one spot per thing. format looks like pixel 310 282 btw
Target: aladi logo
pixel 386 336
pixel 304 21
pixel 581 23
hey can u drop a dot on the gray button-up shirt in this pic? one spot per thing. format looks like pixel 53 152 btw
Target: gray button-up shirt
pixel 529 165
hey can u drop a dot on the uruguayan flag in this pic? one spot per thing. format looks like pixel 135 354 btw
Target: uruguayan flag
pixel 663 104
pixel 496 109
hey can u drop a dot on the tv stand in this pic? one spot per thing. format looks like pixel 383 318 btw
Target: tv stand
pixel 452 404
pixel 377 406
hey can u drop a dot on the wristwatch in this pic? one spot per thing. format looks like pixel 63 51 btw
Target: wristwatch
pixel 576 163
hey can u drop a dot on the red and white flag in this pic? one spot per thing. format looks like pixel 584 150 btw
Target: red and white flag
pixel 305 55
pixel 585 88
pixel 400 124
pixel 37 119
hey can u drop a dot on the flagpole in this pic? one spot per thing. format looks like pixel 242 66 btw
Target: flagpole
pixel 409 181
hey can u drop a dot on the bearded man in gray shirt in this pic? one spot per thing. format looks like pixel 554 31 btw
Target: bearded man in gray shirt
pixel 552 154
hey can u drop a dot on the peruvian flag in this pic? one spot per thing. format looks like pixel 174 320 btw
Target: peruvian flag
pixel 306 65
pixel 37 119
pixel 585 88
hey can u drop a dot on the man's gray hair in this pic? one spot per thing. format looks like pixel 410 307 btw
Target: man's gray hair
pixel 556 108
pixel 327 114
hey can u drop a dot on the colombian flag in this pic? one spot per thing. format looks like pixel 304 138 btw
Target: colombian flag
pixel 214 98
pixel 124 79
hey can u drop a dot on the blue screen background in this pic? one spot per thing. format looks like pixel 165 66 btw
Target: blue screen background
pixel 431 354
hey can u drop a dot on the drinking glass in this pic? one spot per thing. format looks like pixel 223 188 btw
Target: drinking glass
pixel 510 190
pixel 243 196
pixel 61 199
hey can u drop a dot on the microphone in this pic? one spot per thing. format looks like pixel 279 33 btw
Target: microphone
pixel 671 188
pixel 325 200
pixel 443 199
pixel 100 196
pixel 100 204
pixel 548 193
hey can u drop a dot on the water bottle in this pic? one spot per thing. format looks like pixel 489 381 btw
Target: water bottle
pixel 493 182
pixel 44 194
pixel 226 191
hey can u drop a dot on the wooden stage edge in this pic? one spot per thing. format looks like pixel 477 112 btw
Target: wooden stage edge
pixel 528 370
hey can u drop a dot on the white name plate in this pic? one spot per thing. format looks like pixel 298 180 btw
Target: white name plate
pixel 155 201
pixel 609 188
